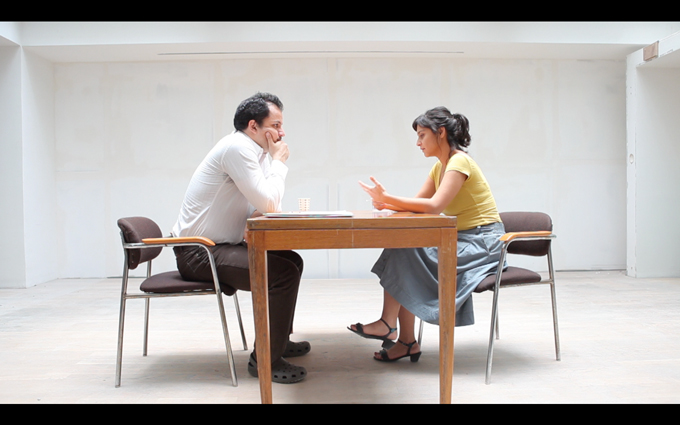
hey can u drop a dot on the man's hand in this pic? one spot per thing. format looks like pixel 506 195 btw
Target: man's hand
pixel 277 149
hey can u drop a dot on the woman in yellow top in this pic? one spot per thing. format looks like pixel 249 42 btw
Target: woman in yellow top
pixel 409 275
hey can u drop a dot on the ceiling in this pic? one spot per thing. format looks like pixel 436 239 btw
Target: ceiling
pixel 158 52
pixel 162 41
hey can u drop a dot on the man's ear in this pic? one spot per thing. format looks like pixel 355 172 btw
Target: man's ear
pixel 252 126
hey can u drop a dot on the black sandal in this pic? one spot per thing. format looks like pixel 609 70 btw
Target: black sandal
pixel 387 343
pixel 282 371
pixel 414 357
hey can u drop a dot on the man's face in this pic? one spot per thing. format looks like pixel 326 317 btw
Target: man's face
pixel 273 125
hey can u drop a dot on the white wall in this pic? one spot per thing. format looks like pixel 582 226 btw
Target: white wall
pixel 11 190
pixel 654 153
pixel 38 162
pixel 658 173
pixel 82 144
pixel 549 135
pixel 28 245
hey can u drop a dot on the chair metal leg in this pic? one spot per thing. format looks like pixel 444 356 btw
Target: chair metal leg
pixel 146 314
pixel 498 326
pixel 494 318
pixel 240 322
pixel 492 332
pixel 223 318
pixel 121 326
pixel 147 305
pixel 558 355
pixel 420 332
pixel 227 342
pixel 119 354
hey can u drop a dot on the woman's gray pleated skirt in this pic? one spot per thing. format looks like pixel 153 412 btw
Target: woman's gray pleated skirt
pixel 410 275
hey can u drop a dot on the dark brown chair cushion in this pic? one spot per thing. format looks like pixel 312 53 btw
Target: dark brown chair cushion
pixel 521 222
pixel 526 222
pixel 172 282
pixel 135 229
pixel 512 275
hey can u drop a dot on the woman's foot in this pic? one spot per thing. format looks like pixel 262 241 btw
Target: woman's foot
pixel 401 350
pixel 379 329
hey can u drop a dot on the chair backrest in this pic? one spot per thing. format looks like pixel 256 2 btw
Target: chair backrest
pixel 134 229
pixel 524 222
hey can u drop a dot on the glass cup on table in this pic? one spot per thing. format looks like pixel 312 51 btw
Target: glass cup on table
pixel 303 204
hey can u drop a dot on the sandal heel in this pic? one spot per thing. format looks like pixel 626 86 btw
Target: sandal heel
pixel 384 357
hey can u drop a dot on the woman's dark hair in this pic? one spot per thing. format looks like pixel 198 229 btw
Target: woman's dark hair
pixel 456 125
pixel 255 108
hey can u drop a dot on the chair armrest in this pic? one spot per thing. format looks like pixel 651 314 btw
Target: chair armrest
pixel 508 237
pixel 175 241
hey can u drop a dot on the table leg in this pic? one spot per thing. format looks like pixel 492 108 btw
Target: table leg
pixel 448 261
pixel 257 258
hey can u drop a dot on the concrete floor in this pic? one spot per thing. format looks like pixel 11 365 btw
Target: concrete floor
pixel 619 339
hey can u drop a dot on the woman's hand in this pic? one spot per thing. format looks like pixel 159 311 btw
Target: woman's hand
pixel 379 205
pixel 377 192
pixel 428 200
pixel 379 196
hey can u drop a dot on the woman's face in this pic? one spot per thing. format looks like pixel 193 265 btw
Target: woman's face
pixel 427 141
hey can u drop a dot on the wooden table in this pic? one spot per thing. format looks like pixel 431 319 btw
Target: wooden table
pixel 365 229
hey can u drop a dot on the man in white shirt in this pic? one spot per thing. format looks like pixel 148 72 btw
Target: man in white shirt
pixel 235 181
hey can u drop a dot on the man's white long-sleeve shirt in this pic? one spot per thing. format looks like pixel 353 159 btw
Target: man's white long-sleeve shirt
pixel 233 180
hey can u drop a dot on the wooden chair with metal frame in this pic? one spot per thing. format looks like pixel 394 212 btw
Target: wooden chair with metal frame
pixel 142 242
pixel 527 233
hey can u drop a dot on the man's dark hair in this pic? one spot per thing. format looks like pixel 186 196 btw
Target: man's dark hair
pixel 255 108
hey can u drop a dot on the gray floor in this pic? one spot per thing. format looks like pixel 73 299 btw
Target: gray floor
pixel 619 339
